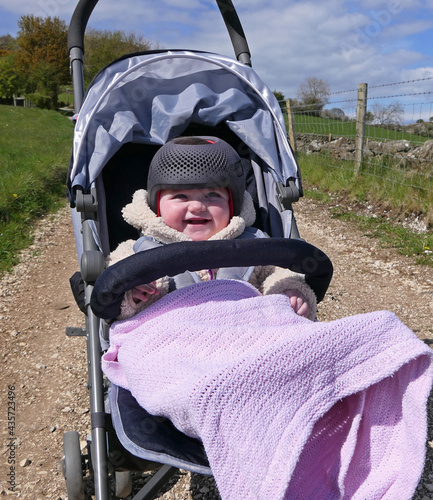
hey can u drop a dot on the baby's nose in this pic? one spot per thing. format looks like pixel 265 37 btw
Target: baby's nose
pixel 197 206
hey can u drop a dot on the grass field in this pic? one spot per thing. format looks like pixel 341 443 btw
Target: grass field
pixel 333 178
pixel 305 124
pixel 394 191
pixel 35 146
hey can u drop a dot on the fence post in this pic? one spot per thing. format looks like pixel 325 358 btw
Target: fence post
pixel 361 111
pixel 291 125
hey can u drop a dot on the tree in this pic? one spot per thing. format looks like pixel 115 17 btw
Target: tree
pixel 369 117
pixel 8 45
pixel 314 94
pixel 103 47
pixel 279 95
pixel 389 114
pixel 338 113
pixel 42 54
pixel 334 114
pixel 280 98
pixel 11 83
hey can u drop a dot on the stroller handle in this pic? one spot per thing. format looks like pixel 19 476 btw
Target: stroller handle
pixel 78 24
pixel 176 258
pixel 84 9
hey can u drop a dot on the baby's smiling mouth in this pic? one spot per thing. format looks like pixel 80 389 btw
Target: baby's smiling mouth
pixel 196 221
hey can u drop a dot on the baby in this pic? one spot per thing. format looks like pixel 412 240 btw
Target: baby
pixel 196 192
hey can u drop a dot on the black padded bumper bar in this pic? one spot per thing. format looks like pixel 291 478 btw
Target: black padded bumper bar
pixel 176 258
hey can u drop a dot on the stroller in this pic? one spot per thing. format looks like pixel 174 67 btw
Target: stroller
pixel 133 106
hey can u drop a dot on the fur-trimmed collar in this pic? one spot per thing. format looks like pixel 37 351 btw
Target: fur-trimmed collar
pixel 141 216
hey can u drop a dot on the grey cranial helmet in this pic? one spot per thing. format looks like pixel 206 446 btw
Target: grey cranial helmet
pixel 196 163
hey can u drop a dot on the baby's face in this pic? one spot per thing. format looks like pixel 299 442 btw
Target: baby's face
pixel 198 213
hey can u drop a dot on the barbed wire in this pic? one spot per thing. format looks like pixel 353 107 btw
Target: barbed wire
pixel 401 83
pixel 340 102
pixel 401 95
pixel 430 103
pixel 344 91
pixel 385 85
pixel 381 97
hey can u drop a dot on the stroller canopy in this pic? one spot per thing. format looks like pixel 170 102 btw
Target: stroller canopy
pixel 153 97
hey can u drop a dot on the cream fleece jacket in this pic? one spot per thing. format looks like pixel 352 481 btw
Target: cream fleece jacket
pixel 267 279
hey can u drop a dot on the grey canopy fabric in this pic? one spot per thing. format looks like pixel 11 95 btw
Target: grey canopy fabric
pixel 151 98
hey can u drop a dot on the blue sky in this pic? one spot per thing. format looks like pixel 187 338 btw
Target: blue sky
pixel 342 42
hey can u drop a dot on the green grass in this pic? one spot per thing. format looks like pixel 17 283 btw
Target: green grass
pixel 376 183
pixel 67 98
pixel 305 124
pixel 35 146
pixel 419 246
pixel 328 178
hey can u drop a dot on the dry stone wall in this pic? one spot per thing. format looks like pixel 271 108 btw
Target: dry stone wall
pixel 406 154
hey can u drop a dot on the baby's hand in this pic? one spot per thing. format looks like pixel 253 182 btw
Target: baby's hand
pixel 142 293
pixel 298 302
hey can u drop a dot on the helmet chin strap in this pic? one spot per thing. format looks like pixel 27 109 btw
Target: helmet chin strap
pixel 158 197
pixel 230 202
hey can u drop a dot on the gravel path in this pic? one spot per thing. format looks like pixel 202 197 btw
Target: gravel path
pixel 44 372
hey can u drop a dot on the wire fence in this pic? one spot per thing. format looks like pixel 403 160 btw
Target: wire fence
pixel 387 133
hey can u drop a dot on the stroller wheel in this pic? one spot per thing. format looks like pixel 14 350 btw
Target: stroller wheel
pixel 73 466
pixel 123 483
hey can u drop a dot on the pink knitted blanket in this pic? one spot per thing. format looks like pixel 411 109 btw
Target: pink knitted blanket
pixel 286 408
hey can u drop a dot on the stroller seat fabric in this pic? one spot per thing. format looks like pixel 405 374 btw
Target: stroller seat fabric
pixel 153 438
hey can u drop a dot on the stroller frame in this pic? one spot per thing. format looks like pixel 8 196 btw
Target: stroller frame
pixel 92 264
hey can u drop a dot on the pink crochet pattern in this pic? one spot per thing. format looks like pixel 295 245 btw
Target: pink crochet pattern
pixel 286 408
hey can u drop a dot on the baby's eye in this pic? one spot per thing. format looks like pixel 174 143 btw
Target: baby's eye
pixel 180 196
pixel 213 194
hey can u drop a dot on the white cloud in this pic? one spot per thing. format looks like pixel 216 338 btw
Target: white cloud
pixel 409 28
pixel 413 74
